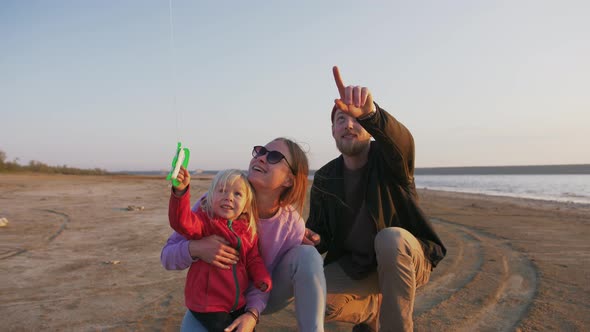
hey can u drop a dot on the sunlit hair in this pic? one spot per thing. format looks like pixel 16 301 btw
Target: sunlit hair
pixel 227 178
pixel 295 195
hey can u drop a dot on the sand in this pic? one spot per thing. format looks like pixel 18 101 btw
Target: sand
pixel 74 257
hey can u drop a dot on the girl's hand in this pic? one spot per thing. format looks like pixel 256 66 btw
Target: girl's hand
pixel 244 323
pixel 262 286
pixel 214 250
pixel 184 178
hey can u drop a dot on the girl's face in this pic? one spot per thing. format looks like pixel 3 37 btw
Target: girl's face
pixel 229 201
pixel 266 176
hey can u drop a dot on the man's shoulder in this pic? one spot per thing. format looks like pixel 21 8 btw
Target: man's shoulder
pixel 323 179
pixel 329 167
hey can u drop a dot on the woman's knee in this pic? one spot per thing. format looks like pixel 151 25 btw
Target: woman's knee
pixel 301 265
pixel 306 258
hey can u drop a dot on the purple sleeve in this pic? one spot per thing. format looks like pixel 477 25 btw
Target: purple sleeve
pixel 257 299
pixel 175 254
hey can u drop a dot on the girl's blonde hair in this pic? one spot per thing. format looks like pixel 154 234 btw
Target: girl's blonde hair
pixel 295 195
pixel 229 177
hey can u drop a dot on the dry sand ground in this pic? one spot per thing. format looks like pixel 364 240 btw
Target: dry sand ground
pixel 74 258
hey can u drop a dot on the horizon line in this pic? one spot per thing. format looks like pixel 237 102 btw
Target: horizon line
pixel 563 168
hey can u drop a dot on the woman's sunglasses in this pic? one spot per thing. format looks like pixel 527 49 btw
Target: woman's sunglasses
pixel 272 157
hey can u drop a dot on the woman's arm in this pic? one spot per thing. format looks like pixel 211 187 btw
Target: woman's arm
pixel 175 254
pixel 179 253
pixel 214 250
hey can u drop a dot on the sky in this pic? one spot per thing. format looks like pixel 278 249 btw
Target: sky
pixel 116 84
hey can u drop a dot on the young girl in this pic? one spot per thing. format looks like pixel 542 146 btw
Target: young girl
pixel 215 296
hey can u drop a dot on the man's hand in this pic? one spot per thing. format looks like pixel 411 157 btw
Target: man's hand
pixel 214 250
pixel 355 101
pixel 311 238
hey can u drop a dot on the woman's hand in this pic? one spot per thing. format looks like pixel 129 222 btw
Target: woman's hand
pixel 311 238
pixel 244 323
pixel 214 250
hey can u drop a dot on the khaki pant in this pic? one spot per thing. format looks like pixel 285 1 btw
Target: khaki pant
pixel 401 269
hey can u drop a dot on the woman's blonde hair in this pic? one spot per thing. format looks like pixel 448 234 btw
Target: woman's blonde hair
pixel 295 195
pixel 229 177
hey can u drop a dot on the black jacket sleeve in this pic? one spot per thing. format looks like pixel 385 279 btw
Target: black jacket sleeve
pixel 396 144
pixel 317 219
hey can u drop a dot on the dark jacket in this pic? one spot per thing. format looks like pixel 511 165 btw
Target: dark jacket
pixel 390 196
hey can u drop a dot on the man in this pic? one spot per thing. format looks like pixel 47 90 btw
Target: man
pixel 364 213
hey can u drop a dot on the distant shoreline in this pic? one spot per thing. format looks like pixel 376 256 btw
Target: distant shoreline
pixel 519 170
pixel 470 170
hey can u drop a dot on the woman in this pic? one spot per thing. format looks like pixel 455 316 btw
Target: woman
pixel 278 172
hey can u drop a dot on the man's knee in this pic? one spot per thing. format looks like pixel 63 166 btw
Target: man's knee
pixel 353 308
pixel 392 240
pixel 337 310
pixel 335 303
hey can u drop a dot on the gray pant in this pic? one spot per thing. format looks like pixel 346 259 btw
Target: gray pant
pixel 401 269
pixel 298 276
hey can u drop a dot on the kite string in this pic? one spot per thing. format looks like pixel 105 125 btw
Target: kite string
pixel 173 70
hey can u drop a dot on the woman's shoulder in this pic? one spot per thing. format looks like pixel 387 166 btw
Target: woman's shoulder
pixel 284 228
pixel 289 213
pixel 286 215
pixel 290 218
pixel 293 223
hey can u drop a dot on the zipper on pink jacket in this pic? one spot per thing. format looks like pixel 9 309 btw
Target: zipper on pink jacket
pixel 235 272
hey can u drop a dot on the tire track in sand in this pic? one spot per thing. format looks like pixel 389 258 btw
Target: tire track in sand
pixel 464 260
pixel 486 280
pixel 6 253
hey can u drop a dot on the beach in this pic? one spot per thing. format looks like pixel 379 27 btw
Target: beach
pixel 82 253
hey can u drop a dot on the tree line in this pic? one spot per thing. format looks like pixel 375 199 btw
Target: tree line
pixel 39 167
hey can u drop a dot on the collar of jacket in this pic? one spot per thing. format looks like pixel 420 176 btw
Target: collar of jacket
pixel 332 184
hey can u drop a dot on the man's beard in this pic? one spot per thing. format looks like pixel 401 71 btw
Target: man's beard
pixel 352 147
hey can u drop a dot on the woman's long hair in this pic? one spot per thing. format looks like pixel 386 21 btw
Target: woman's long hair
pixel 295 195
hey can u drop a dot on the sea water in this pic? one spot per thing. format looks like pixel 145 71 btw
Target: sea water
pixel 555 187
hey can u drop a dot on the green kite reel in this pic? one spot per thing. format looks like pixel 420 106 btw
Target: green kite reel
pixel 180 159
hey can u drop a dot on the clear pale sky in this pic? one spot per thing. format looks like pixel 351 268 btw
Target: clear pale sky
pixel 92 83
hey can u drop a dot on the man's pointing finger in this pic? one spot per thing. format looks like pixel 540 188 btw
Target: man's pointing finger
pixel 339 83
